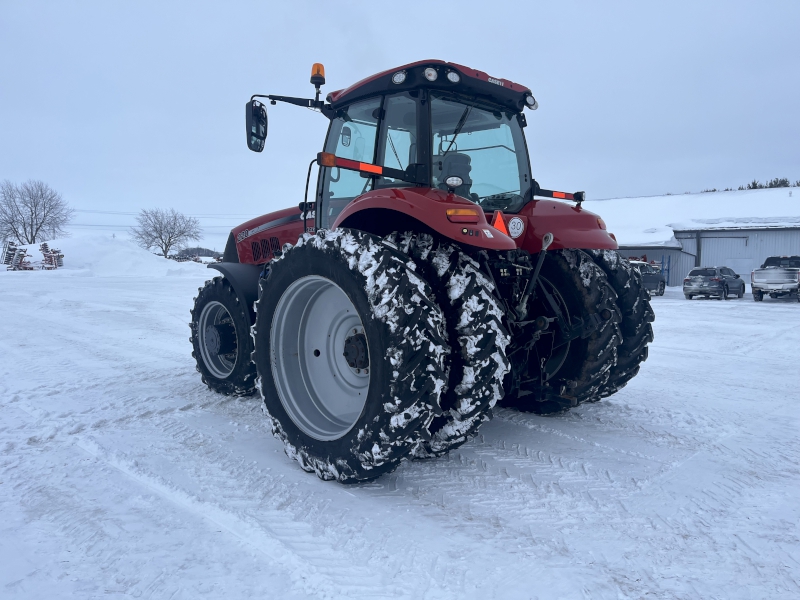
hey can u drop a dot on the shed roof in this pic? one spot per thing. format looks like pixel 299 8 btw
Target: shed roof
pixel 652 220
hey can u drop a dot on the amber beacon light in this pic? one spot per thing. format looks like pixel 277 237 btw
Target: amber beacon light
pixel 317 74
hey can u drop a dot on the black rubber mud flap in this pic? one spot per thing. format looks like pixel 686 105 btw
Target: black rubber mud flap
pixel 244 281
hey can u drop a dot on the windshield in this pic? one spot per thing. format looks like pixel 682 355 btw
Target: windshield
pixel 791 262
pixel 485 148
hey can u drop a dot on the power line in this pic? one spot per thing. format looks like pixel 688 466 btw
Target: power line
pixel 200 216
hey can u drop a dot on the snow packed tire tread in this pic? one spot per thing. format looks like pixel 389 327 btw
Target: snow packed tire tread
pixel 402 303
pixel 476 334
pixel 242 381
pixel 637 316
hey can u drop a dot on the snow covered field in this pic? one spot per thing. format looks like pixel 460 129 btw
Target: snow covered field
pixel 122 475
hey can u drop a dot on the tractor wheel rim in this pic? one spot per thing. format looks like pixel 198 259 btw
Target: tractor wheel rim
pixel 320 358
pixel 215 320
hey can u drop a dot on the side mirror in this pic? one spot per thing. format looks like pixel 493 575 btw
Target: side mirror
pixel 256 121
pixel 737 276
pixel 346 136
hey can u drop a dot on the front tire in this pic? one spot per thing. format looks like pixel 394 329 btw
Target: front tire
pixel 335 305
pixel 221 342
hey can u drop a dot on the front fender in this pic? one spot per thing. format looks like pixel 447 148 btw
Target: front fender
pixel 427 206
pixel 244 281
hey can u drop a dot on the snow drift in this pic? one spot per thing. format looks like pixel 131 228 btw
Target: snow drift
pixel 104 256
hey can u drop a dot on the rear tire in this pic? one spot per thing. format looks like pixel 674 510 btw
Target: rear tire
pixel 475 332
pixel 221 342
pixel 637 316
pixel 333 305
pixel 661 288
pixel 688 296
pixel 758 296
pixel 581 374
pixel 724 295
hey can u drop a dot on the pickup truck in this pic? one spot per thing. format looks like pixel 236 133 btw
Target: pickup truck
pixel 778 276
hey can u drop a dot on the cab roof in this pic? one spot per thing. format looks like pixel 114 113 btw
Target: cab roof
pixel 471 82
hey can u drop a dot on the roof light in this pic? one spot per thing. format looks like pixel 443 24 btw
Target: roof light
pixel 399 77
pixel 531 102
pixel 431 74
pixel 453 182
pixel 453 77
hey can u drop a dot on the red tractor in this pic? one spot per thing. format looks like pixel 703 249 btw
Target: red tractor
pixel 424 283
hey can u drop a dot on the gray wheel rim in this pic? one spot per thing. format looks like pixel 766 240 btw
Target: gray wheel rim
pixel 213 319
pixel 322 394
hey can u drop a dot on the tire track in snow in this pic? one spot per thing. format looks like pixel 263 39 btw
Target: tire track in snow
pixel 288 544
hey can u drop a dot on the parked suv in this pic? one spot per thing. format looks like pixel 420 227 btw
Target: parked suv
pixel 720 282
pixel 653 278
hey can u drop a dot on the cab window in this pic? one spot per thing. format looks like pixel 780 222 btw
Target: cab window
pixel 397 148
pixel 352 134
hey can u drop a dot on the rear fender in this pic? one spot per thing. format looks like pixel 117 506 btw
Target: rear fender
pixel 571 226
pixel 394 209
pixel 244 281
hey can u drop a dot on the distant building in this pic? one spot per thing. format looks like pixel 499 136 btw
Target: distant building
pixel 733 229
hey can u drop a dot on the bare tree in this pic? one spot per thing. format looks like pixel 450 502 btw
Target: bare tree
pixel 32 212
pixel 164 229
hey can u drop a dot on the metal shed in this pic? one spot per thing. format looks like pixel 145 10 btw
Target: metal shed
pixel 736 229
pixel 742 248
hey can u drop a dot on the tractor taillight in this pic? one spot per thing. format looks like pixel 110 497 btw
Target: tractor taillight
pixel 462 215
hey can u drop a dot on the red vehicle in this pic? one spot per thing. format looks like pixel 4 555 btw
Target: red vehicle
pixel 429 278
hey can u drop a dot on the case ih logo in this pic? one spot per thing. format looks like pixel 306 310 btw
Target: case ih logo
pixel 495 81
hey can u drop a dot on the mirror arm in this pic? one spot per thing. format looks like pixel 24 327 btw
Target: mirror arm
pixel 305 102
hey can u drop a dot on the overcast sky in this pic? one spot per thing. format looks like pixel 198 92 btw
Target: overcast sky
pixel 129 105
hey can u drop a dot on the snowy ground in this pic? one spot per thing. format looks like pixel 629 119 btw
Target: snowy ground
pixel 122 475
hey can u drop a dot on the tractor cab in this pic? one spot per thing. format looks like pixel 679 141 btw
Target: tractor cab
pixel 431 125
pixel 426 125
